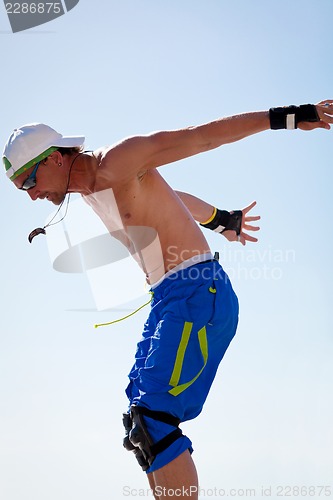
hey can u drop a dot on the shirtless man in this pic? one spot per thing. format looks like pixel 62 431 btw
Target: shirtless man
pixel 194 308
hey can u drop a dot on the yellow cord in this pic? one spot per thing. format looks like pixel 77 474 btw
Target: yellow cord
pixel 128 315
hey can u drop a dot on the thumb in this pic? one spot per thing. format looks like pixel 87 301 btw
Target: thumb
pixel 323 124
pixel 313 125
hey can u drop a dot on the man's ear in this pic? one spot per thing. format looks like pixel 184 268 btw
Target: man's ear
pixel 55 158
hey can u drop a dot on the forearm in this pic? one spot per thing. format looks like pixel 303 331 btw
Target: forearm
pixel 232 128
pixel 211 217
pixel 170 146
pixel 199 209
pixel 233 225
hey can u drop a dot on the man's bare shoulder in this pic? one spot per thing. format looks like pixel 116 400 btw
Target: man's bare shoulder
pixel 124 160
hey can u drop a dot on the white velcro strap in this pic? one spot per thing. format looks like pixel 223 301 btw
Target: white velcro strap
pixel 219 229
pixel 290 122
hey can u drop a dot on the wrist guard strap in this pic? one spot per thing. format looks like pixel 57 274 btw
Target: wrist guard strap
pixel 222 220
pixel 290 116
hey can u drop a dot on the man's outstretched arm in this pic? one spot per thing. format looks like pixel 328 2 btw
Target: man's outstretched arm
pixel 137 154
pixel 175 145
pixel 233 228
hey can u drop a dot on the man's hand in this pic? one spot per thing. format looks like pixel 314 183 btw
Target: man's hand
pixel 325 113
pixel 243 237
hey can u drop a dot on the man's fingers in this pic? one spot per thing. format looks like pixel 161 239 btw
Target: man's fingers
pixel 248 227
pixel 324 102
pixel 247 209
pixel 313 125
pixel 325 114
pixel 251 218
pixel 248 237
pixel 243 238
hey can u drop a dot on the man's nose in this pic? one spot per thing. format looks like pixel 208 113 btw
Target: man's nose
pixel 33 193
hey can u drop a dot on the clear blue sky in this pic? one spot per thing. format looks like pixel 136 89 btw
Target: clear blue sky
pixel 110 69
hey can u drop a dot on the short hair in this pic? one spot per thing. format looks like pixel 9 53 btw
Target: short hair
pixel 71 151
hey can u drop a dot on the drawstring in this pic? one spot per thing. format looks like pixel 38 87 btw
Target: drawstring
pixel 128 315
pixel 212 290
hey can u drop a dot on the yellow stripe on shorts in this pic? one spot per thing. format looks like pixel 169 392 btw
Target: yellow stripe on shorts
pixel 177 369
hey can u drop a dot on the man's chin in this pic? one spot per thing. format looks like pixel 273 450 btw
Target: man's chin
pixel 57 200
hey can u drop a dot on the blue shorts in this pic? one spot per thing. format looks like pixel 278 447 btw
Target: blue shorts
pixel 193 319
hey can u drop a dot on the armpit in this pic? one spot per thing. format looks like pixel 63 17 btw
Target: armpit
pixel 142 174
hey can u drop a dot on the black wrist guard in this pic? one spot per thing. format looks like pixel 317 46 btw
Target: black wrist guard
pixel 223 221
pixel 290 116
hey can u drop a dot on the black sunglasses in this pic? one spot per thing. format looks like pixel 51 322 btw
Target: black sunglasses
pixel 30 181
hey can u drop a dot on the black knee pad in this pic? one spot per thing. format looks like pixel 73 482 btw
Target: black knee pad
pixel 138 439
pixel 128 422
